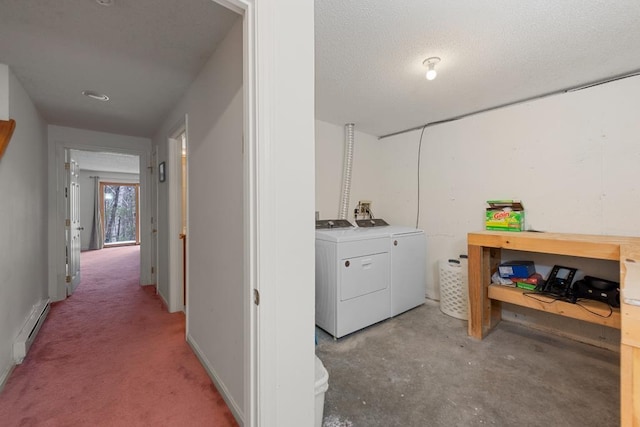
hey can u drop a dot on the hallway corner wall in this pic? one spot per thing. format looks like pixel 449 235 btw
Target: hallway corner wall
pixel 215 275
pixel 4 92
pixel 23 190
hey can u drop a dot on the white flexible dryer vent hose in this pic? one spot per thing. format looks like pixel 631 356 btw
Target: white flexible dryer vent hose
pixel 346 173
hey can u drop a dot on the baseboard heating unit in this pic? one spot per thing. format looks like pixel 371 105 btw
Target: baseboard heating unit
pixel 29 331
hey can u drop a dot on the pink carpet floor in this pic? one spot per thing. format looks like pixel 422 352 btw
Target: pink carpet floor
pixel 111 355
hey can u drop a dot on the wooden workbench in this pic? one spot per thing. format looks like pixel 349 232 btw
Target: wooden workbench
pixel 484 250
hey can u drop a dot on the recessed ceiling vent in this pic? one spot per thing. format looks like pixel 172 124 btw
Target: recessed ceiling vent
pixel 95 95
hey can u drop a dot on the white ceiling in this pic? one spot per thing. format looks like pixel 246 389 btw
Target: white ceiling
pixel 144 53
pixel 369 55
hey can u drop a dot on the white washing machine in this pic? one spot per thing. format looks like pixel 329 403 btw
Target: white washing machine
pixel 366 275
pixel 408 268
pixel 352 279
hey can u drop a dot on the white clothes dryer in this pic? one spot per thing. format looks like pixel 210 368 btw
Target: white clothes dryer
pixel 366 275
pixel 352 279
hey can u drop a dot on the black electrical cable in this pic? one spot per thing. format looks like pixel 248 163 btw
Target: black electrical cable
pixel 594 313
pixel 419 156
pixel 552 297
pixel 555 298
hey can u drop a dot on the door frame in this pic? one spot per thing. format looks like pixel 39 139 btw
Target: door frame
pixel 153 236
pixel 278 52
pixel 73 240
pixel 174 190
pixel 61 138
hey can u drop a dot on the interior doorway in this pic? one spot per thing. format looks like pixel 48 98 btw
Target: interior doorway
pixel 93 180
pixel 182 140
pixel 73 226
pixel 178 217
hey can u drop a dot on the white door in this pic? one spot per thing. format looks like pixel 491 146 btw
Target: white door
pixel 72 222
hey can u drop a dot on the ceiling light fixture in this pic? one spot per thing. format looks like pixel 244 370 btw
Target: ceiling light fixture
pixel 95 95
pixel 431 63
pixel 105 3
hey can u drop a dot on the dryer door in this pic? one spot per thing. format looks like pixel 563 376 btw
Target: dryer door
pixel 363 275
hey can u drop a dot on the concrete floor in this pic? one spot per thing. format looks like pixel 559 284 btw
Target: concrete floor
pixel 421 369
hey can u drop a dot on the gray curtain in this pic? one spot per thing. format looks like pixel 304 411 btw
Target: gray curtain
pixel 97 239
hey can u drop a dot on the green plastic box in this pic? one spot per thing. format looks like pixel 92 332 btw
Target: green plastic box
pixel 526 286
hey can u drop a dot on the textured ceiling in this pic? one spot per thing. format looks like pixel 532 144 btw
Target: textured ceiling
pixel 144 54
pixel 141 53
pixel 369 55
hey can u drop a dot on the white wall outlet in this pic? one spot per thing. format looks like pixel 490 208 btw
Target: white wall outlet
pixel 364 207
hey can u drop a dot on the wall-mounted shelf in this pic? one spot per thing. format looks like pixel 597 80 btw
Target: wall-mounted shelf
pixel 6 131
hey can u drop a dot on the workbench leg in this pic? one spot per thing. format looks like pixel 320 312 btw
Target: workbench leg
pixel 484 313
pixel 493 315
pixel 629 386
pixel 476 299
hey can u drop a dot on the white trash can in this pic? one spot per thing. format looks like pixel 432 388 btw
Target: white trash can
pixel 453 288
pixel 322 384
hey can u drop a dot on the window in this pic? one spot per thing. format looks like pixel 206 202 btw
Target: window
pixel 120 213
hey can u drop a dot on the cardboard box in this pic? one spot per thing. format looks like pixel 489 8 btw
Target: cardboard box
pixel 510 269
pixel 505 215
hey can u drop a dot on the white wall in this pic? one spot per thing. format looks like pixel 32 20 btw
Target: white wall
pixel 284 234
pixel 63 137
pixel 571 158
pixel 4 92
pixel 215 232
pixel 23 189
pixel 329 155
pixel 279 260
pixel 87 194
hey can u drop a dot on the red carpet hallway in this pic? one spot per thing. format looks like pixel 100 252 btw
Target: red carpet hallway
pixel 111 355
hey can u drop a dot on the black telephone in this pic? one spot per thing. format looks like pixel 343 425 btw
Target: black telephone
pixel 559 282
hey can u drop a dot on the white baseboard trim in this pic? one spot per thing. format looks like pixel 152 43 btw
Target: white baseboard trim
pixel 6 373
pixel 164 301
pixel 29 330
pixel 216 380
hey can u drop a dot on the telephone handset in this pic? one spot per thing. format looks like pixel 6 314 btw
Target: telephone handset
pixel 559 281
